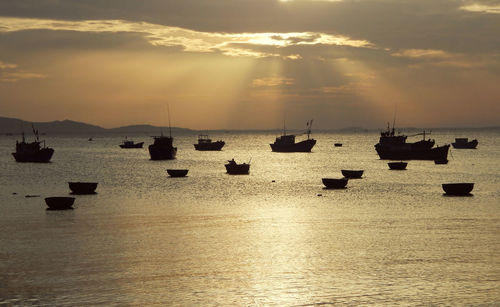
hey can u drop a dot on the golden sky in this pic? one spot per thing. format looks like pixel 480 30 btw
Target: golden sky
pixel 221 64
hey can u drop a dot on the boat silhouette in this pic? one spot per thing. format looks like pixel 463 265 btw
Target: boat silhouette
pixel 458 189
pixel 352 174
pixel 397 165
pixel 335 183
pixel 130 144
pixel 234 168
pixel 286 143
pixel 82 188
pixel 464 143
pixel 162 147
pixel 32 152
pixel 177 172
pixel 395 147
pixel 59 203
pixel 206 144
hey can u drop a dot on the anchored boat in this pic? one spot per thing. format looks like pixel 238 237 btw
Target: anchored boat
pixel 32 152
pixel 286 143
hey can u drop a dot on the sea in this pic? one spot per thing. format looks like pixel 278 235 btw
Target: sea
pixel 275 237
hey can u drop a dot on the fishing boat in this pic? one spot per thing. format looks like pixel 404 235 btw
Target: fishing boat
pixel 206 144
pixel 464 143
pixel 234 168
pixel 162 147
pixel 32 152
pixel 395 147
pixel 335 183
pixel 286 143
pixel 130 144
pixel 352 174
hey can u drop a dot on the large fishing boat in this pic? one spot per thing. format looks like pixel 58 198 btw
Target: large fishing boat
pixel 286 143
pixel 162 148
pixel 32 152
pixel 395 147
pixel 205 144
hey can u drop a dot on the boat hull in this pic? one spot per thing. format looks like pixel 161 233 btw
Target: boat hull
pixel 59 203
pixel 465 145
pixel 458 189
pixel 334 183
pixel 42 156
pixel 82 188
pixel 177 172
pixel 303 146
pixel 352 174
pixel 138 145
pixel 409 153
pixel 213 146
pixel 397 165
pixel 162 153
pixel 238 169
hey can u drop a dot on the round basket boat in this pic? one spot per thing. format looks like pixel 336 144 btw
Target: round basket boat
pixel 352 174
pixel 397 165
pixel 60 203
pixel 177 172
pixel 335 183
pixel 82 188
pixel 458 189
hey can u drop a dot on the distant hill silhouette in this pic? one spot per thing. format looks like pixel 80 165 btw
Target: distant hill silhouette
pixel 16 126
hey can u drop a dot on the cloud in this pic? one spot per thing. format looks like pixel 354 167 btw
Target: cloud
pixel 10 73
pixel 19 75
pixel 231 44
pixel 272 81
pixel 4 65
pixel 423 54
pixel 481 8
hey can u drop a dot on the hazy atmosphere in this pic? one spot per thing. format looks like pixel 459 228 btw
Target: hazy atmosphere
pixel 238 64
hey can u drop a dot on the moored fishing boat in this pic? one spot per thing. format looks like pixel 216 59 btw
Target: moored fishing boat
pixel 464 143
pixel 286 143
pixel 206 144
pixel 32 152
pixel 234 168
pixel 395 147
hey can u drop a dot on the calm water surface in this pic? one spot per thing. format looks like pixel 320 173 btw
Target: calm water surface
pixel 212 239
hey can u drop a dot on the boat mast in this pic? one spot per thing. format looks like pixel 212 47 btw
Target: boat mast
pixel 309 125
pixel 169 125
pixel 394 119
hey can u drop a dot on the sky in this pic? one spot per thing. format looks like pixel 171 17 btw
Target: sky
pixel 252 64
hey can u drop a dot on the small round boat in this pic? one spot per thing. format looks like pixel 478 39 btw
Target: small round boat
pixel 458 189
pixel 60 203
pixel 335 183
pixel 397 165
pixel 177 172
pixel 82 188
pixel 352 174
